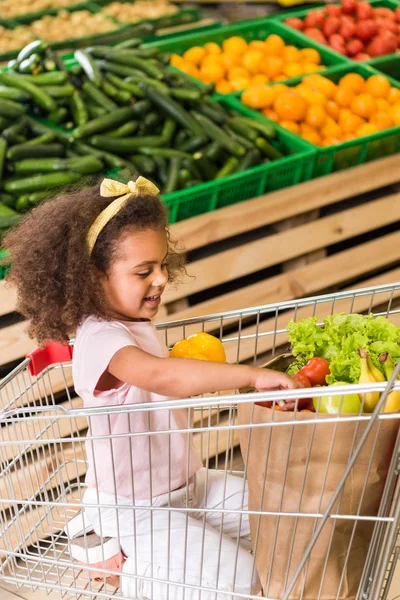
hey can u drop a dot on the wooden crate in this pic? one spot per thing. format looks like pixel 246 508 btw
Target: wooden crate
pixel 330 234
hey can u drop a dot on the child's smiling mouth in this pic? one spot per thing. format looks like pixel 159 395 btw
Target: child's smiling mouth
pixel 153 300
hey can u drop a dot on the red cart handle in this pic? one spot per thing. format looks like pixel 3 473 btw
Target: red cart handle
pixel 50 354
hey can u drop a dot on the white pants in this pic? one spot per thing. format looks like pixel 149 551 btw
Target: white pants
pixel 200 549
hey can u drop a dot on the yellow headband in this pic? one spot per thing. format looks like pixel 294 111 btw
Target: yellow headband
pixel 110 188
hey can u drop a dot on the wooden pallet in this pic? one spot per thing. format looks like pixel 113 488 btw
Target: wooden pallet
pixel 330 234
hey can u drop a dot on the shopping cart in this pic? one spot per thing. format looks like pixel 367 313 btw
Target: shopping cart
pixel 43 463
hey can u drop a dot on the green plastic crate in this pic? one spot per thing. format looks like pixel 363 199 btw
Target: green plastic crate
pixel 302 13
pixel 389 65
pixel 276 175
pixel 254 29
pixel 355 152
pixel 4 265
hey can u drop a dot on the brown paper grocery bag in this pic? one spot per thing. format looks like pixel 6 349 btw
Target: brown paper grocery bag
pixel 296 469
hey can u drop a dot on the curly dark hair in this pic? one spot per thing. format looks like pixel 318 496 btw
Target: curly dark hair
pixel 57 282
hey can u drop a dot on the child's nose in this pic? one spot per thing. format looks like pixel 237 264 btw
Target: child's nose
pixel 160 279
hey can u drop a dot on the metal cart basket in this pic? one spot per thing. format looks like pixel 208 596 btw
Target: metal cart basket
pixel 44 429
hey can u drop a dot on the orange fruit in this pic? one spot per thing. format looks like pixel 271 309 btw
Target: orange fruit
pixel 382 105
pixel 293 69
pixel 366 129
pixel 239 83
pixel 257 79
pixel 252 61
pixel 281 78
pixel 331 129
pixel 235 72
pixel 223 87
pixel 229 60
pixel 257 45
pixel 270 114
pixel 311 68
pixel 309 55
pixel 312 137
pixel 290 106
pixel 322 84
pixel 364 105
pixel 272 66
pixel 318 97
pixel 378 86
pixel 330 141
pixel 211 73
pixel 332 109
pixel 316 116
pixel 344 96
pixel 393 95
pixel 395 113
pixel 274 45
pixel 195 55
pixel 348 122
pixel 382 120
pixel 353 81
pixel 212 48
pixel 291 126
pixel 347 137
pixel 291 54
pixel 258 96
pixel 190 69
pixel 177 61
pixel 234 45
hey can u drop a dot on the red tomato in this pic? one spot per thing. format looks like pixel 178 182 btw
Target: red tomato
pixel 302 380
pixel 386 13
pixel 316 35
pixel 349 7
pixel 397 13
pixel 333 10
pixel 366 30
pixel 354 47
pixel 316 370
pixel 348 30
pixel 361 56
pixel 331 26
pixel 315 18
pixel 382 44
pixel 336 42
pixel 364 11
pixel 295 23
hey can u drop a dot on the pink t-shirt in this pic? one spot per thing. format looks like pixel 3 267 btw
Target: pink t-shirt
pixel 145 465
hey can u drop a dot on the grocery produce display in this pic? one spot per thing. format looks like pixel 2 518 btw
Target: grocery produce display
pixel 326 113
pixel 236 64
pixel 353 28
pixel 10 9
pixel 14 39
pixel 345 349
pixel 126 12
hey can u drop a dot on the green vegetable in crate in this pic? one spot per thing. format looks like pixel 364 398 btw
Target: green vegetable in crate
pixel 107 122
pixel 39 96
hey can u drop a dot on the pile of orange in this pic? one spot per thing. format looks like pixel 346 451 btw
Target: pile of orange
pixel 325 113
pixel 237 64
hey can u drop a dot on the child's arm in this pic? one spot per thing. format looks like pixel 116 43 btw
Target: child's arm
pixel 184 377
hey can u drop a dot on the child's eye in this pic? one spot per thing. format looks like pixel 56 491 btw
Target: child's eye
pixel 144 275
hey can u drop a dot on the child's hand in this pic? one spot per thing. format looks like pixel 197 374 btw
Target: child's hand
pixel 267 379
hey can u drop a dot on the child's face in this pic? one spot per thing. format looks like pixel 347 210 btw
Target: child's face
pixel 137 276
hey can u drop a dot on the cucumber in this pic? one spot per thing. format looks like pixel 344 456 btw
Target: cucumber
pixel 13 65
pixel 13 94
pixel 268 150
pixel 104 123
pixel 172 108
pixel 162 168
pixel 12 133
pixel 173 175
pixel 141 64
pixel 98 97
pixel 22 203
pixel 144 164
pixel 242 129
pixel 39 128
pixel 59 115
pixel 218 135
pixel 124 130
pixel 213 151
pixel 7 200
pixel 27 150
pixel 231 166
pixel 163 152
pixel 131 88
pixel 238 138
pixel 262 127
pixel 36 47
pixel 214 115
pixel 207 169
pixel 142 107
pixel 190 165
pixel 111 160
pixel 59 91
pixel 96 111
pixel 251 158
pixel 184 176
pixel 4 123
pixel 45 138
pixel 168 130
pixel 132 43
pixel 84 164
pixel 151 120
pixel 182 136
pixel 154 82
pixel 192 183
pixel 78 109
pixel 52 78
pixel 39 96
pixel 28 65
pixel 38 183
pixel 185 94
pixel 126 145
pixel 3 152
pixel 110 67
pixel 39 165
pixel 89 66
pixel 194 143
pixel 37 197
pixel 10 109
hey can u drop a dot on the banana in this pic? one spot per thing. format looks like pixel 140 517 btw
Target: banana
pixel 376 373
pixel 393 401
pixel 370 398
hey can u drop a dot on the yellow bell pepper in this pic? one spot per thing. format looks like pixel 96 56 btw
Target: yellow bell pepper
pixel 201 346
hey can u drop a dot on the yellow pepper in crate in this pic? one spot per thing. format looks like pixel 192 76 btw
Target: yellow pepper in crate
pixel 201 346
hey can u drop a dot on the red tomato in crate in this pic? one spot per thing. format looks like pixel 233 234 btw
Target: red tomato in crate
pixel 349 7
pixel 397 14
pixel 366 30
pixel 386 13
pixel 361 56
pixel 295 23
pixel 364 11
pixel 333 10
pixel 354 47
pixel 348 30
pixel 315 18
pixel 331 26
pixel 316 35
pixel 316 370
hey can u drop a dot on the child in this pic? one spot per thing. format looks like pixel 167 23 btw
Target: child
pixel 96 262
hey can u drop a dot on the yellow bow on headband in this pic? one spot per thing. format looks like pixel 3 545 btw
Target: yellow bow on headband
pixel 110 188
